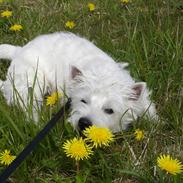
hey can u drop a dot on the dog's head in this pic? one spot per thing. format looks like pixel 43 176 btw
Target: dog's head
pixel 104 100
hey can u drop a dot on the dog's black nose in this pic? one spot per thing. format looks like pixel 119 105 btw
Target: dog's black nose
pixel 84 123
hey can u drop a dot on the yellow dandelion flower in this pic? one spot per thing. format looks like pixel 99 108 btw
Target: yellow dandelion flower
pixel 125 1
pixel 170 165
pixel 77 149
pixel 139 134
pixel 70 24
pixel 6 158
pixel 91 6
pixel 16 27
pixel 6 14
pixel 98 136
pixel 53 98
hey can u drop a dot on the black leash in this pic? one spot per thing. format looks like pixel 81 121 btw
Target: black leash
pixel 27 150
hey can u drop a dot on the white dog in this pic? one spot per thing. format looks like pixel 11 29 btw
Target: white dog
pixel 103 93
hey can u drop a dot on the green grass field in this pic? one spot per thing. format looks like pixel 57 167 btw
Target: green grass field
pixel 146 33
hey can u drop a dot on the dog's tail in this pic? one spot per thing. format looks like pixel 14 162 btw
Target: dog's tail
pixel 7 51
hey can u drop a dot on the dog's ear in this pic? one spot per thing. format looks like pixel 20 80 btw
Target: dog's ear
pixel 75 72
pixel 137 91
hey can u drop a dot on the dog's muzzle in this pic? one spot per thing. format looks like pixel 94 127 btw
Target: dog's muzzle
pixel 84 123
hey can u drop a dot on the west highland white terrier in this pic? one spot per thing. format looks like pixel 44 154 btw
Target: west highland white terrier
pixel 102 92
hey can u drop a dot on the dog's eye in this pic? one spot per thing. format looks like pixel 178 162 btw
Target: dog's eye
pixel 109 111
pixel 83 101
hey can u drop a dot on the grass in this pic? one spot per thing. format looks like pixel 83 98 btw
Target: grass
pixel 148 35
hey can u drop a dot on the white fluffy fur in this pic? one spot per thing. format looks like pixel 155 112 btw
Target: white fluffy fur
pixel 102 83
